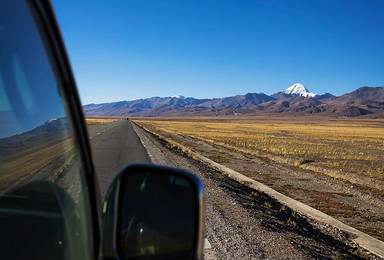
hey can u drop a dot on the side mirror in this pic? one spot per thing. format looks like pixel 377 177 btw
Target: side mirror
pixel 153 212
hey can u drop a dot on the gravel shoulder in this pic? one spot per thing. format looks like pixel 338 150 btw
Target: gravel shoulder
pixel 352 204
pixel 242 223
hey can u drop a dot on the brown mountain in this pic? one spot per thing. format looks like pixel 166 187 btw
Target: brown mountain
pixel 162 106
pixel 294 105
pixel 361 102
pixel 363 94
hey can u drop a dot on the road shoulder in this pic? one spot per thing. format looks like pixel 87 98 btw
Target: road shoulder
pixel 260 226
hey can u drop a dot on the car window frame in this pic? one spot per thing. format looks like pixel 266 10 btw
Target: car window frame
pixel 49 32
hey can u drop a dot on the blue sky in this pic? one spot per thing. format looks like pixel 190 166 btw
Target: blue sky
pixel 131 49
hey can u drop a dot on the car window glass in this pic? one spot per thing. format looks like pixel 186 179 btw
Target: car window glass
pixel 44 204
pixel 22 84
pixel 4 104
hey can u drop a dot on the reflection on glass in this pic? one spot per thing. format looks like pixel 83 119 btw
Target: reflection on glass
pixel 35 136
pixel 42 153
pixel 157 215
pixel 44 205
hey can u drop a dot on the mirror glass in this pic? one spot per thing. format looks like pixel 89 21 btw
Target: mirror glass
pixel 157 215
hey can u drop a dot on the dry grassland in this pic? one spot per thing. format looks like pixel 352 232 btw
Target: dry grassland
pixel 100 120
pixel 23 167
pixel 296 156
pixel 348 145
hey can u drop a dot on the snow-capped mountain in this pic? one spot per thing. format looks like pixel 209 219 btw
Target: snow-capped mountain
pixel 177 96
pixel 295 100
pixel 298 89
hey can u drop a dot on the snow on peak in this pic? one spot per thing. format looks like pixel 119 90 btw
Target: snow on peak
pixel 177 96
pixel 50 121
pixel 299 90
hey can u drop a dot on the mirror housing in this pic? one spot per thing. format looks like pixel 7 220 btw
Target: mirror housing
pixel 153 212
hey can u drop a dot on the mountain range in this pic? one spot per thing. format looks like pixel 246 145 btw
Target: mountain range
pixel 295 100
pixel 50 133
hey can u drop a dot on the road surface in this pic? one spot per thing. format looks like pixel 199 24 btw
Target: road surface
pixel 238 226
pixel 117 144
pixel 114 145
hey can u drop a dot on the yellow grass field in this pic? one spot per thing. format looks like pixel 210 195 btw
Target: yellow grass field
pixel 23 166
pixel 350 145
pixel 100 120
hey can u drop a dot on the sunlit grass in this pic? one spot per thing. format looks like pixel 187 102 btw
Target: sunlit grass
pixel 96 121
pixel 17 169
pixel 352 146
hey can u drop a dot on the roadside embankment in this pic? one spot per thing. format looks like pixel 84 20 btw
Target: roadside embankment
pixel 355 236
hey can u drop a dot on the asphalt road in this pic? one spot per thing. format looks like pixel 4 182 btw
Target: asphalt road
pixel 237 227
pixel 114 145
